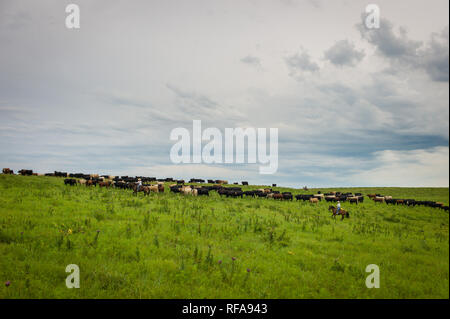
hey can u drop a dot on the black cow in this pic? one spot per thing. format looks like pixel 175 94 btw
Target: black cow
pixel 287 196
pixel 196 180
pixel 60 174
pixel 26 172
pixel 202 191
pixel 69 181
pixel 175 188
pixel 250 193
pixel 235 193
pixel 261 194
pixel 303 197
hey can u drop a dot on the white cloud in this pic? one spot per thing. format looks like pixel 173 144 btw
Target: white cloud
pixel 412 168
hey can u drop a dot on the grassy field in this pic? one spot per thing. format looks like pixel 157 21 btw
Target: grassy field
pixel 174 246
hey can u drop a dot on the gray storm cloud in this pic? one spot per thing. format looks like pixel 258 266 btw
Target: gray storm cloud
pixel 348 102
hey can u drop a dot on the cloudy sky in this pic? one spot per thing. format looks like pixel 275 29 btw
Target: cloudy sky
pixel 353 106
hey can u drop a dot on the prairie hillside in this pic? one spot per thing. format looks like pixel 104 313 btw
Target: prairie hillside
pixel 170 245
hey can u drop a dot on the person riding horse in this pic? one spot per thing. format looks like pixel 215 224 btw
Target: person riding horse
pixel 138 185
pixel 338 207
pixel 338 211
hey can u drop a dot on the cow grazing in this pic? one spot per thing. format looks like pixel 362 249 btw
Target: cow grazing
pixel 7 171
pixel 245 183
pixel 175 188
pixel 261 194
pixel 104 184
pixel 121 185
pixel 378 199
pixel 153 188
pixel 203 191
pixel 60 174
pixel 314 200
pixel 303 197
pixel 91 182
pixel 287 196
pixel 69 181
pixel 235 193
pixel 250 193
pixel 276 196
pixel 186 190
pixel 26 172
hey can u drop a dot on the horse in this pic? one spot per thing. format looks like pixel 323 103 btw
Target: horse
pixel 342 212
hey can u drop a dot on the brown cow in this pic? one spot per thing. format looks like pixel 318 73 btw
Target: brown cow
pixel 7 171
pixel 277 196
pixel 378 199
pixel 313 200
pixel 105 184
pixel 90 182
pixel 371 196
pixel 145 189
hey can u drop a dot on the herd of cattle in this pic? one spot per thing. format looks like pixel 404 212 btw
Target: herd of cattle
pixel 180 186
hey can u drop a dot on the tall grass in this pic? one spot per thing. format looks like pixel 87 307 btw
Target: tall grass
pixel 174 246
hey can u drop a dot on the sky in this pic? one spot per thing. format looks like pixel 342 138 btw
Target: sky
pixel 353 106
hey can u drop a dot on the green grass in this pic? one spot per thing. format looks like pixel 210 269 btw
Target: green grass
pixel 169 245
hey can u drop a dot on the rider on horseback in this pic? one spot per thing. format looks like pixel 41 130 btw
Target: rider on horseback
pixel 338 207
pixel 139 184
